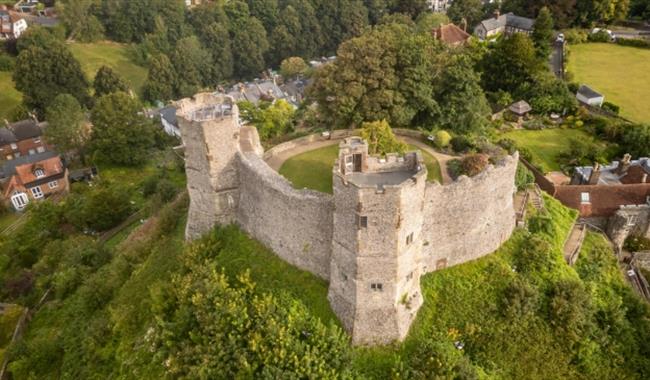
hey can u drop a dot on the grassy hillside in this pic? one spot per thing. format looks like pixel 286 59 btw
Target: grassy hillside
pixel 546 145
pixel 618 72
pixel 9 96
pixel 520 313
pixel 95 55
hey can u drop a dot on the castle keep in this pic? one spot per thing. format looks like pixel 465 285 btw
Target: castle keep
pixel 382 229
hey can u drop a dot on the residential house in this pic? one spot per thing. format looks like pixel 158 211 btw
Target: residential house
pixel 590 97
pixel 615 197
pixel 451 35
pixel 269 90
pixel 31 178
pixel 12 24
pixel 22 138
pixel 169 122
pixel 508 24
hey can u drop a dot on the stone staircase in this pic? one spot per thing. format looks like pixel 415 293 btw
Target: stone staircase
pixel 536 198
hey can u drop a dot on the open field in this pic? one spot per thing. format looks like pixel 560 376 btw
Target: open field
pixel 313 169
pixel 621 73
pixel 9 96
pixel 95 55
pixel 546 144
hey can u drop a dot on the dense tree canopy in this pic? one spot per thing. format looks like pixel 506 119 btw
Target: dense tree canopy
pixel 543 33
pixel 120 134
pixel 108 81
pixel 470 11
pixel 40 83
pixel 66 124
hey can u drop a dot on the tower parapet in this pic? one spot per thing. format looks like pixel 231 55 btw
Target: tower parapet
pixel 376 244
pixel 210 127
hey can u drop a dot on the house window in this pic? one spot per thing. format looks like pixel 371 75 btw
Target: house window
pixel 37 140
pixel 32 151
pixel 53 184
pixel 39 173
pixel 409 239
pixel 14 146
pixel 362 221
pixel 37 192
pixel 584 197
pixel 19 200
pixel 409 277
pixel 40 149
pixel 9 157
pixel 377 287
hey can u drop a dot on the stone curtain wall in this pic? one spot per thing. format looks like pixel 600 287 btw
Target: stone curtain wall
pixel 469 218
pixel 295 224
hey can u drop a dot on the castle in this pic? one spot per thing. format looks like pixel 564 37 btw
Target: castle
pixel 381 230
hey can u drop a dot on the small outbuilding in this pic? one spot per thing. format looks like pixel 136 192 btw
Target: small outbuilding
pixel 521 108
pixel 589 96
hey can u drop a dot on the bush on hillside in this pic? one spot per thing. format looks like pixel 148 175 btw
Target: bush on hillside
pixel 520 299
pixel 461 144
pixel 636 243
pixel 474 164
pixel 6 63
pixel 443 138
pixel 523 177
pixel 611 107
pixel 576 36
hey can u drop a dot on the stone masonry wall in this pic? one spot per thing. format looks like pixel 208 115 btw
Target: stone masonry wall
pixel 469 218
pixel 295 224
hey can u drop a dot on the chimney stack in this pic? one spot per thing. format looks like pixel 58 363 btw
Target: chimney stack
pixel 497 14
pixel 464 24
pixel 595 174
pixel 624 164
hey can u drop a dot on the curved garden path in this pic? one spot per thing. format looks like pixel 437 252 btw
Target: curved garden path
pixel 276 161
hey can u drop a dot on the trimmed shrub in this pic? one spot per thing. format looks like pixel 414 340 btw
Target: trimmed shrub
pixel 638 43
pixel 611 107
pixel 443 138
pixel 474 164
pixel 576 36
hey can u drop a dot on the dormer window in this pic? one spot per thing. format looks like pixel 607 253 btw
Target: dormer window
pixel 39 173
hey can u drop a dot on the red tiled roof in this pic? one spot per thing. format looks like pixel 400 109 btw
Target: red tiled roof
pixel 604 200
pixel 51 166
pixel 450 34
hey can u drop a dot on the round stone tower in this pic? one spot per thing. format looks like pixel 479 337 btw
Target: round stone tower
pixel 210 130
pixel 377 243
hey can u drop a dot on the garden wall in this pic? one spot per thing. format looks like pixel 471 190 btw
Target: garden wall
pixel 295 224
pixel 468 218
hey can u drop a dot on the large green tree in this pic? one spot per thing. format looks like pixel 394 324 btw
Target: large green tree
pixel 510 64
pixel 81 23
pixel 43 72
pixel 108 81
pixel 216 40
pixel 120 134
pixel 381 139
pixel 66 124
pixel 386 73
pixel 468 10
pixel 193 66
pixel 161 80
pixel 249 44
pixel 543 33
pixel 462 100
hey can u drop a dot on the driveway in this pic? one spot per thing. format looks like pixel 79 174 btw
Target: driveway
pixel 557 59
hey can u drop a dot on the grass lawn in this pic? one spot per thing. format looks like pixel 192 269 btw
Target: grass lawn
pixel 546 144
pixel 114 55
pixel 9 96
pixel 621 73
pixel 313 169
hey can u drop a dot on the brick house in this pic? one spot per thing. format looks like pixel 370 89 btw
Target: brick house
pixel 12 24
pixel 615 197
pixel 31 178
pixel 22 138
